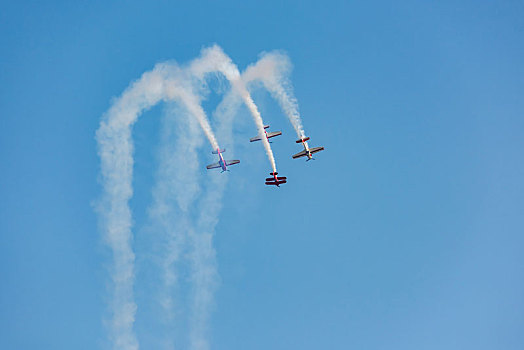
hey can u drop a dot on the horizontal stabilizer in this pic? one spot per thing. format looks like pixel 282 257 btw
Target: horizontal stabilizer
pixel 303 139
pixel 266 126
pixel 232 162
pixel 213 166
pixel 219 150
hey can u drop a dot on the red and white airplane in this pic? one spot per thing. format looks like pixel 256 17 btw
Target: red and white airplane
pixel 307 151
pixel 268 135
pixel 221 162
pixel 276 180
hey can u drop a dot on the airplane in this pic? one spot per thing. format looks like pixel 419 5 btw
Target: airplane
pixel 276 181
pixel 221 162
pixel 307 151
pixel 268 135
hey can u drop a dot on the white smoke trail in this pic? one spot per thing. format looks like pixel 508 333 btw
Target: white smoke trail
pixel 258 120
pixel 115 148
pixel 204 276
pixel 204 272
pixel 181 89
pixel 215 60
pixel 273 70
pixel 176 189
pixel 178 185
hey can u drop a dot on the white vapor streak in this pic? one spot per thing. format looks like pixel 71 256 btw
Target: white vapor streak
pixel 177 182
pixel 214 59
pixel 173 195
pixel 258 120
pixel 178 187
pixel 203 257
pixel 192 103
pixel 273 70
pixel 115 148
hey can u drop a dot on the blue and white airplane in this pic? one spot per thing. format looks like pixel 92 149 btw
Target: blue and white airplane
pixel 221 162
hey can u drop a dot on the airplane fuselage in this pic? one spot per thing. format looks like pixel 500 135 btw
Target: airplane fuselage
pixel 276 180
pixel 308 152
pixel 221 161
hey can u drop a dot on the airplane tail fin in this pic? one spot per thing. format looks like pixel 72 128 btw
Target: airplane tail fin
pixel 219 150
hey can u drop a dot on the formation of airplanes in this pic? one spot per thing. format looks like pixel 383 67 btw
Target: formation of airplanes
pixel 274 180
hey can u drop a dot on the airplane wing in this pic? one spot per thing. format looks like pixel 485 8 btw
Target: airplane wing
pixel 232 162
pixel 276 183
pixel 316 149
pixel 256 138
pixel 273 134
pixel 213 166
pixel 300 154
pixel 280 179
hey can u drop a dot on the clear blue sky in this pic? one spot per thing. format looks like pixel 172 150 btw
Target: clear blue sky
pixel 406 233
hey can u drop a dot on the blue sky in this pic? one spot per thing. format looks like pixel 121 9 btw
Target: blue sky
pixel 405 233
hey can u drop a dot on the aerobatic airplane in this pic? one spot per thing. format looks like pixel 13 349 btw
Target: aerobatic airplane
pixel 268 135
pixel 307 151
pixel 221 162
pixel 276 181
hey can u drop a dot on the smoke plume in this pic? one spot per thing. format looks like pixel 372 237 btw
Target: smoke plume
pixel 177 190
pixel 273 70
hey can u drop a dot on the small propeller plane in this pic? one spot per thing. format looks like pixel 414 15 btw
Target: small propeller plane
pixel 268 135
pixel 221 162
pixel 307 151
pixel 275 180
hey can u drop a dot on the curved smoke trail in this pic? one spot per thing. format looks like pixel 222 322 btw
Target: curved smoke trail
pixel 175 190
pixel 215 60
pixel 273 70
pixel 115 148
pixel 178 189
